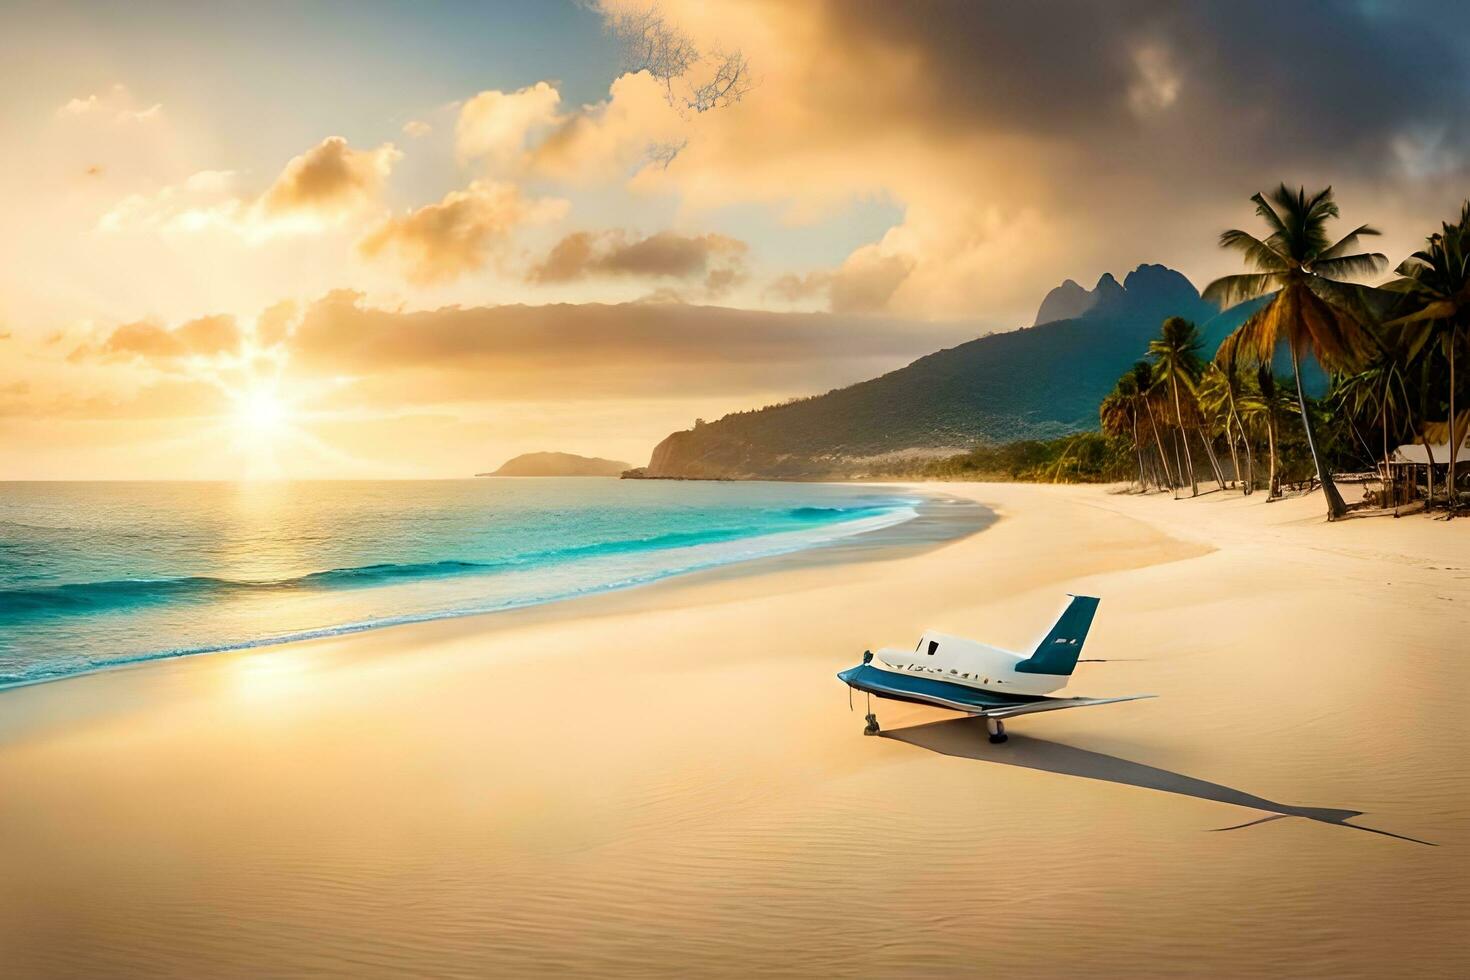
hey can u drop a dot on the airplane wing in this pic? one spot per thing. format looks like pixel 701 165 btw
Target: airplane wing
pixel 1053 704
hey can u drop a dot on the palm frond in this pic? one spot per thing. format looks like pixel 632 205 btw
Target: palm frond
pixel 1267 212
pixel 1143 376
pixel 1337 338
pixel 1439 310
pixel 1321 206
pixel 1350 266
pixel 1227 291
pixel 1416 265
pixel 1255 340
pixel 1350 240
pixel 1258 254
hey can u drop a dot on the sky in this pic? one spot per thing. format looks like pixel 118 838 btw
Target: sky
pixel 362 239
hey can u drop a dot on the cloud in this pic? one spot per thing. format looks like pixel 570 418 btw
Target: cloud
pixel 1027 142
pixel 161 397
pixel 864 283
pixel 275 323
pixel 416 129
pixel 1158 82
pixel 720 281
pixel 666 254
pixel 609 139
pixel 495 126
pixel 206 336
pixel 114 107
pixel 330 178
pixel 443 241
pixel 660 348
pixel 323 187
pixel 792 287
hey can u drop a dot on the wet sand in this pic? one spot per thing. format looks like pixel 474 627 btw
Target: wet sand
pixel 668 781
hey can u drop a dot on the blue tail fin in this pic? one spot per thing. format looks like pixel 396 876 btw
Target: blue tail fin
pixel 1058 651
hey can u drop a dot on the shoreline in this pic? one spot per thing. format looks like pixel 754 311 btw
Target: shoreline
pixel 667 780
pixel 937 519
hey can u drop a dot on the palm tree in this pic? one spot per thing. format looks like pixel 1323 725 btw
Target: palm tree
pixel 1117 418
pixel 1381 391
pixel 1313 310
pixel 1176 360
pixel 1235 390
pixel 1059 469
pixel 1438 278
pixel 1145 385
pixel 1205 427
pixel 1269 404
pixel 1217 404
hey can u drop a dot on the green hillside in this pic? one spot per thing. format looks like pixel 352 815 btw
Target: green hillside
pixel 1034 383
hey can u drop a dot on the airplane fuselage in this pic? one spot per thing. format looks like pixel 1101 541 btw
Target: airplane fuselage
pixel 955 660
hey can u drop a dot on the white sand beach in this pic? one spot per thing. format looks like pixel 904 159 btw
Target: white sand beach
pixel 667 781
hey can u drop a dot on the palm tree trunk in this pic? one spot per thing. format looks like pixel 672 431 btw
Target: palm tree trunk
pixel 1383 420
pixel 1209 441
pixel 1138 451
pixel 1450 482
pixel 1250 463
pixel 1271 446
pixel 1250 458
pixel 1179 417
pixel 1178 461
pixel 1429 455
pixel 1336 506
pixel 1159 442
pixel 1234 455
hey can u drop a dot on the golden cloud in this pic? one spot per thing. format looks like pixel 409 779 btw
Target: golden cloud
pixel 667 254
pixel 864 283
pixel 275 323
pixel 647 350
pixel 612 138
pixel 330 178
pixel 443 241
pixel 324 186
pixel 496 126
pixel 206 336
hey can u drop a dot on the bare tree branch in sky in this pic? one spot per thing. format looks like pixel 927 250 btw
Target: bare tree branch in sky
pixel 650 43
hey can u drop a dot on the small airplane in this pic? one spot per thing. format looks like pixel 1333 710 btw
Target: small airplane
pixel 980 680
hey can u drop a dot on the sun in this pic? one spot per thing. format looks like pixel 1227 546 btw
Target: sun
pixel 260 411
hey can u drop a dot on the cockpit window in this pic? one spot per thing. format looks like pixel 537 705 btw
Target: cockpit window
pixel 933 646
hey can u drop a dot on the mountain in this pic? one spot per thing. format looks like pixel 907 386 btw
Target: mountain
pixel 558 464
pixel 1037 382
pixel 1069 300
pixel 1065 302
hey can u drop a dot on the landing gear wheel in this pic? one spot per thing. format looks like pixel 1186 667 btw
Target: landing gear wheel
pixel 872 726
pixel 997 730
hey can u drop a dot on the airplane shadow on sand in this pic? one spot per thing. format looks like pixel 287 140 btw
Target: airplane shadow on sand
pixel 966 738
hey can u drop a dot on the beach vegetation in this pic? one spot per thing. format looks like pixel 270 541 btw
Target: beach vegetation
pixel 1314 311
pixel 1436 283
pixel 1177 364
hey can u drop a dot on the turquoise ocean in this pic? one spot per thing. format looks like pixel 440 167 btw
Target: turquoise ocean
pixel 95 575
